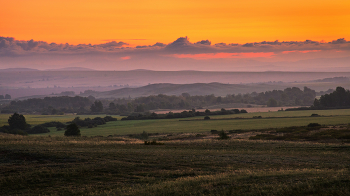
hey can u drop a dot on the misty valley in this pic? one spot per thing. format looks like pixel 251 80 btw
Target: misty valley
pixel 268 135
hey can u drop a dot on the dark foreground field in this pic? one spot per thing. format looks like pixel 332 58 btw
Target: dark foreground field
pixel 125 166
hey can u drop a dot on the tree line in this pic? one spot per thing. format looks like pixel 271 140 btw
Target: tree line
pixel 183 114
pixel 17 125
pixel 7 96
pixel 338 99
pixel 89 105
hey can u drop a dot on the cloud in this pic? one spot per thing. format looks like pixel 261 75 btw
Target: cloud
pixel 204 42
pixel 180 43
pixel 12 47
pixel 339 41
pixel 159 44
pixel 112 44
pixel 179 48
pixel 301 51
pixel 125 57
pixel 156 45
pixel 206 56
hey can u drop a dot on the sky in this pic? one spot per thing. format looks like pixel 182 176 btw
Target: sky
pixel 250 35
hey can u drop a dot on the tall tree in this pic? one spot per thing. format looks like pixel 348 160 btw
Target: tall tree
pixel 17 121
pixel 96 106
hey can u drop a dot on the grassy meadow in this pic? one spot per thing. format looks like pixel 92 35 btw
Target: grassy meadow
pixel 190 125
pixel 189 160
pixel 123 166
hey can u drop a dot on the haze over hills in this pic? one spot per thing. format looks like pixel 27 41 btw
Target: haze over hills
pixel 64 78
pixel 70 69
pixel 21 83
pixel 19 69
pixel 217 89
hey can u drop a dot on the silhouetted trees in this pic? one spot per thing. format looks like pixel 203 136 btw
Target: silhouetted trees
pixel 85 105
pixel 271 102
pixel 49 105
pixel 183 114
pixel 96 107
pixel 17 121
pixel 17 125
pixel 340 98
pixel 72 130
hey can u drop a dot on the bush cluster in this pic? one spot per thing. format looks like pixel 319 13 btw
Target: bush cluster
pixel 184 114
pixel 88 122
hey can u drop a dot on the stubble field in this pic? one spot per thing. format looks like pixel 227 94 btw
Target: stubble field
pixel 188 160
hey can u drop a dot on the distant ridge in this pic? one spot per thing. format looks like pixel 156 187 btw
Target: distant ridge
pixel 17 69
pixel 218 89
pixel 140 70
pixel 334 79
pixel 71 69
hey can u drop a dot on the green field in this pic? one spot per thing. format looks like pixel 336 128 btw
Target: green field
pixel 292 118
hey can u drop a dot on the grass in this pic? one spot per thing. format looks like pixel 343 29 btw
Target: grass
pixel 45 165
pixel 291 118
pixel 176 126
pixel 39 119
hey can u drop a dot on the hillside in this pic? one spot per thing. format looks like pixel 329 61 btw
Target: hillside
pixel 217 89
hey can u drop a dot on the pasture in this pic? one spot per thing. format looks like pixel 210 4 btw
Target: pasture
pixel 195 162
pixel 195 124
pixel 45 165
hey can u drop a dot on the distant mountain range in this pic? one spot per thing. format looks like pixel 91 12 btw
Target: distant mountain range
pixel 217 89
pixel 71 69
pixel 61 69
pixel 17 69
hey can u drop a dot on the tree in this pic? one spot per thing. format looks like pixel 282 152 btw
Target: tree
pixel 72 130
pixel 139 108
pixel 17 121
pixel 2 97
pixel 185 95
pixel 7 96
pixel 271 103
pixel 96 106
pixel 112 106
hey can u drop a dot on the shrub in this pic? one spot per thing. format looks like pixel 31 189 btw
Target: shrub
pixel 154 142
pixel 313 125
pixel 213 131
pixel 54 124
pixel 144 135
pixel 206 118
pixel 223 135
pixel 109 118
pixel 72 130
pixel 245 111
pixel 314 115
pixel 38 129
pixel 17 132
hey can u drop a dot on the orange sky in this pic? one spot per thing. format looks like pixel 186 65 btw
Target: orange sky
pixel 142 22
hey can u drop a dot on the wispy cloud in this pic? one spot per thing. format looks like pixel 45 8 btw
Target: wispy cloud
pixel 222 55
pixel 182 45
pixel 177 55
